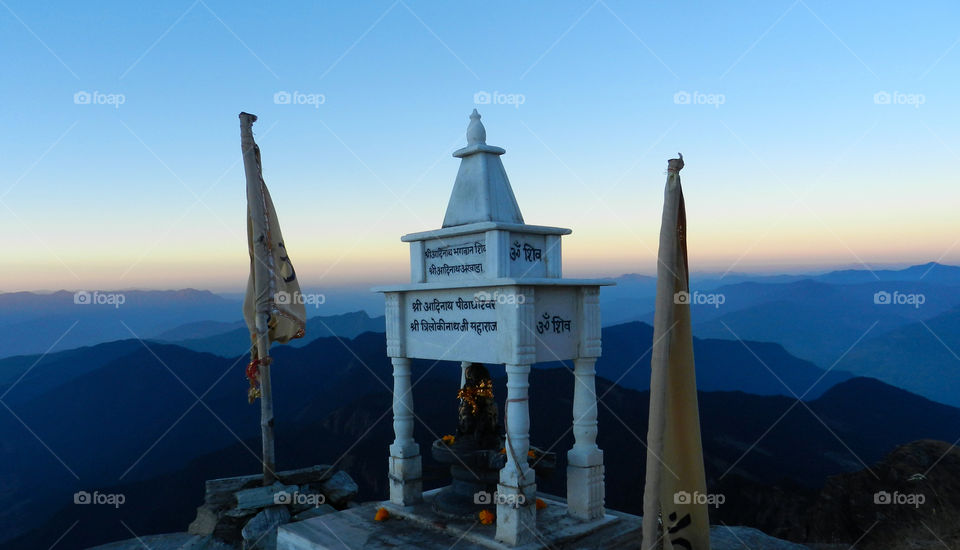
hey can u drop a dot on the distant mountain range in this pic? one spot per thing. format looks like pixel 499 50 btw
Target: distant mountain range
pixel 722 365
pixel 922 357
pixel 36 323
pixel 25 377
pixel 815 317
pixel 333 406
pixel 632 298
pixel 831 320
pixel 232 339
pixel 931 272
pixel 760 368
pixel 896 325
pixel 818 321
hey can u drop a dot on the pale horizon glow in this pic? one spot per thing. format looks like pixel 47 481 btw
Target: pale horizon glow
pixel 802 168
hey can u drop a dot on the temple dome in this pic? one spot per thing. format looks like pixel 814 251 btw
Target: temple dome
pixel 481 192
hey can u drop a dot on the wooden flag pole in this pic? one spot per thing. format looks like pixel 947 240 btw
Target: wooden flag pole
pixel 272 277
pixel 262 285
pixel 266 408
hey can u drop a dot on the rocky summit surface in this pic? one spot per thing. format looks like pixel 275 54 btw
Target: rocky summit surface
pixel 721 538
pixel 908 500
pixel 169 541
pixel 241 512
pixel 728 538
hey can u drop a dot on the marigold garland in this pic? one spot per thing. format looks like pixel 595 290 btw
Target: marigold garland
pixel 449 439
pixel 381 514
pixel 471 393
pixel 486 517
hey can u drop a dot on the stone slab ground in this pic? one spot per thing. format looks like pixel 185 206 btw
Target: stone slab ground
pixel 417 527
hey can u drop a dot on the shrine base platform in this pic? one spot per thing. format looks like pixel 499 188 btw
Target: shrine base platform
pixel 420 527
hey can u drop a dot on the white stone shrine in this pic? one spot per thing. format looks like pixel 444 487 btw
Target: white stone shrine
pixel 488 288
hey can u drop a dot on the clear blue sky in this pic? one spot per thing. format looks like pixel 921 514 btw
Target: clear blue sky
pixel 792 163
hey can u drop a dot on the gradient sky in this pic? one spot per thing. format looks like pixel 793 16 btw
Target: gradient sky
pixel 792 164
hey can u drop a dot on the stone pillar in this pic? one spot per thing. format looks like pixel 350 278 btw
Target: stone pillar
pixel 463 372
pixel 517 490
pixel 406 485
pixel 585 490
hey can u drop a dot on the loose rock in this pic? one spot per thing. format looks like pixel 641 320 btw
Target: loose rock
pixel 260 533
pixel 339 489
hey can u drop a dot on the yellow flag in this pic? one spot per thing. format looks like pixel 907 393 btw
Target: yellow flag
pixel 273 293
pixel 676 485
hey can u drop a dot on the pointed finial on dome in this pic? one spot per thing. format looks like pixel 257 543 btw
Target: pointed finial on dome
pixel 476 133
pixel 482 191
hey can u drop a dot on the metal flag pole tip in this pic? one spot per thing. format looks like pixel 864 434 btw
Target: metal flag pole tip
pixel 675 165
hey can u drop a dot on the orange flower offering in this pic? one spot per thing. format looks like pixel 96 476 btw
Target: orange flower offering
pixel 540 504
pixel 531 454
pixel 503 451
pixel 486 517
pixel 449 439
pixel 381 514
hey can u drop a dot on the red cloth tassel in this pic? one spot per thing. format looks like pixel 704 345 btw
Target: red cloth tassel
pixel 253 375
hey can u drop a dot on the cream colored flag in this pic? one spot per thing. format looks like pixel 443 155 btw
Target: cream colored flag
pixel 676 484
pixel 272 289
